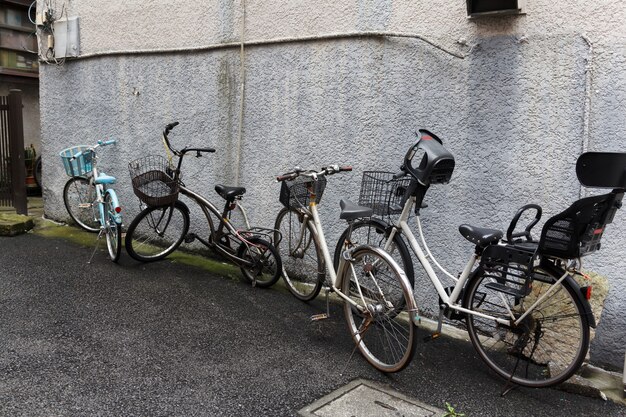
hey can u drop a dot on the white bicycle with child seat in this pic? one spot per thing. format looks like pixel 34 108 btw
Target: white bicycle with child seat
pixel 378 299
pixel 89 198
pixel 525 314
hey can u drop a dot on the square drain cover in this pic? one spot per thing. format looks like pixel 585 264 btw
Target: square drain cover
pixel 365 398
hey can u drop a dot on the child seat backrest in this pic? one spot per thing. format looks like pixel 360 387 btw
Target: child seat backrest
pixel 578 230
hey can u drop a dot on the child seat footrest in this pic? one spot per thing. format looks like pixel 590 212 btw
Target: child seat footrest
pixel 506 289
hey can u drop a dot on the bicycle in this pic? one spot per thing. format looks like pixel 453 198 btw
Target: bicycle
pixel 89 199
pixel 376 294
pixel 163 223
pixel 526 316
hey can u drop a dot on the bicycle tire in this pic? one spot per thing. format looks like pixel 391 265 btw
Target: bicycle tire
pixel 78 196
pixel 113 230
pixel 37 172
pixel 374 232
pixel 546 348
pixel 147 244
pixel 303 267
pixel 266 270
pixel 386 335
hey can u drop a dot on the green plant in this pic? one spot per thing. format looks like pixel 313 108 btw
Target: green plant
pixel 451 412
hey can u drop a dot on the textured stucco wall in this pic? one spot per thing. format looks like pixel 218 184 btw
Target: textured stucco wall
pixel 513 112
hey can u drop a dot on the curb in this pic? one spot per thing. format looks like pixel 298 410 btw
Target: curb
pixel 15 224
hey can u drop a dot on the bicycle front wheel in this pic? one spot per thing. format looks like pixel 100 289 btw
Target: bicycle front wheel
pixel 113 230
pixel 266 266
pixel 157 231
pixel 546 347
pixel 380 323
pixel 303 267
pixel 79 196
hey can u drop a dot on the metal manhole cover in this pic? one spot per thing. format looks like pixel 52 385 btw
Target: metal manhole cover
pixel 361 398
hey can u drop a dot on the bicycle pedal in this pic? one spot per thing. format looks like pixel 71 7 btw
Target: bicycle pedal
pixel 432 337
pixel 84 205
pixel 318 317
pixel 190 237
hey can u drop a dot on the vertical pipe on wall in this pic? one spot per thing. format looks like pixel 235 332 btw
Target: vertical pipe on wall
pixel 242 87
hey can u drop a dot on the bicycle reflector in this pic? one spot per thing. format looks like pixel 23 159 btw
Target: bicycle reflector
pixel 118 209
pixel 586 291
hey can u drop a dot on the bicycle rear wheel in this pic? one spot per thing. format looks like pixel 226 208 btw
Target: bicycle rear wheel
pixel 381 325
pixel 113 230
pixel 547 347
pixel 157 231
pixel 79 195
pixel 266 267
pixel 303 267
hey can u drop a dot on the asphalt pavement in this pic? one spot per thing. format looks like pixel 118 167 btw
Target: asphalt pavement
pixel 169 339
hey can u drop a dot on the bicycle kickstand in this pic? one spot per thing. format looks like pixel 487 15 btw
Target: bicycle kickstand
pixel 323 316
pixel 437 332
pixel 96 247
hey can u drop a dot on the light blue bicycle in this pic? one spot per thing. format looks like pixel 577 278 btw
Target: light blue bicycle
pixel 89 200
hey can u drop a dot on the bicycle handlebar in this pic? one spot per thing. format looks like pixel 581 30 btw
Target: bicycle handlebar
pixel 329 170
pixel 400 174
pixel 93 148
pixel 168 129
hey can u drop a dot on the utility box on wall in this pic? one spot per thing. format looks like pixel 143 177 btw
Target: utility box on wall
pixel 476 8
pixel 66 38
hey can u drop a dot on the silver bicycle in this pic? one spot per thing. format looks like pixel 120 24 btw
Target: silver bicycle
pixel 525 314
pixel 377 297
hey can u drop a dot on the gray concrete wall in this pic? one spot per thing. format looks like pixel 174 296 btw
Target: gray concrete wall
pixel 516 112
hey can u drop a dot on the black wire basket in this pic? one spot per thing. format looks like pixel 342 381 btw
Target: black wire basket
pixel 295 194
pixel 382 192
pixel 153 180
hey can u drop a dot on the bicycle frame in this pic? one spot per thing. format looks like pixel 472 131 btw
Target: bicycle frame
pixel 451 300
pixel 208 208
pixel 101 191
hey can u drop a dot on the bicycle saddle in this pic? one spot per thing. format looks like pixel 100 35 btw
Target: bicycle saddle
pixel 105 179
pixel 229 193
pixel 351 211
pixel 481 236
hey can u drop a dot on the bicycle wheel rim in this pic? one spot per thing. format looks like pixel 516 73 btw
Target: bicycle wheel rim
pixel 156 232
pixel 386 335
pixel 548 346
pixel 78 196
pixel 303 267
pixel 113 233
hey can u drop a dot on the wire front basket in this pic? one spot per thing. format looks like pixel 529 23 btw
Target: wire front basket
pixel 383 193
pixel 153 180
pixel 80 166
pixel 295 194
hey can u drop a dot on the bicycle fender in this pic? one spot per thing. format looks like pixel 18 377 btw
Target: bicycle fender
pixel 569 280
pixel 116 204
pixel 404 281
pixel 183 206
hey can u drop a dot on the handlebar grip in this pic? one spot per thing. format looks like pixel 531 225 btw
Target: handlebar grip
pixel 76 156
pixel 346 168
pixel 399 175
pixel 109 142
pixel 284 177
